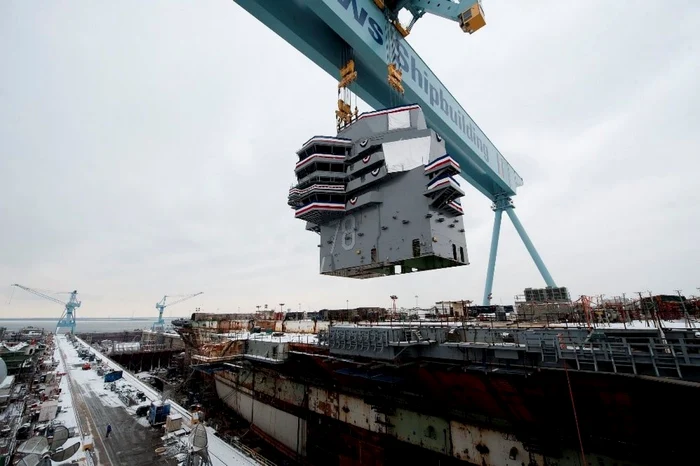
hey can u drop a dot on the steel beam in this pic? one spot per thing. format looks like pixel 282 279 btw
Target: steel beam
pixel 322 29
pixel 492 257
pixel 530 247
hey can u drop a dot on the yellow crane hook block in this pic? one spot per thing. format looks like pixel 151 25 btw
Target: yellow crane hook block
pixel 347 74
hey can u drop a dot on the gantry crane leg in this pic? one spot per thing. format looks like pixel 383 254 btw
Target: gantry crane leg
pixel 504 203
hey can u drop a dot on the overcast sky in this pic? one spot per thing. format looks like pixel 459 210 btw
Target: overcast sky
pixel 146 148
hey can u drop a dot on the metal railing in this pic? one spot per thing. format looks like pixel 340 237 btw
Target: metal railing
pixel 234 442
pixel 636 355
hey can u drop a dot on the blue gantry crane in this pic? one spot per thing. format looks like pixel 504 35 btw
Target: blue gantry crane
pixel 67 319
pixel 161 305
pixel 365 41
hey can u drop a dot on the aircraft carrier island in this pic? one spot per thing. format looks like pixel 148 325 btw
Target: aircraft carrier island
pixel 382 195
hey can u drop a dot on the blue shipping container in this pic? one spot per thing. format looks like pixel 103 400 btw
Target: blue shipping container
pixel 158 412
pixel 112 376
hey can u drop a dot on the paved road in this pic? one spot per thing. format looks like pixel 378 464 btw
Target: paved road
pixel 129 444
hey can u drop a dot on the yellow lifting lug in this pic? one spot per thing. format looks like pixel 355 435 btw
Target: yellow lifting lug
pixel 394 78
pixel 473 19
pixel 344 112
pixel 343 107
pixel 394 71
pixel 396 85
pixel 347 80
pixel 380 4
pixel 347 74
pixel 349 68
pixel 402 30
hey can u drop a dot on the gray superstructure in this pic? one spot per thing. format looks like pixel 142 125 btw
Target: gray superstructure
pixel 383 197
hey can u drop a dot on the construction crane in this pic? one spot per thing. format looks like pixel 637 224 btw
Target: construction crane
pixel 161 305
pixel 364 43
pixel 68 317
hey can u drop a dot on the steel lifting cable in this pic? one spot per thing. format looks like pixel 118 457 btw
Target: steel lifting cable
pixel 345 95
pixel 12 293
pixel 352 96
pixel 341 91
pixel 387 28
pixel 573 406
pixel 390 57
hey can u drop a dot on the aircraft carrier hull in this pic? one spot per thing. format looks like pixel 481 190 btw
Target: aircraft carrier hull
pixel 324 410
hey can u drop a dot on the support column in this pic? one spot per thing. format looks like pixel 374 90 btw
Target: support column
pixel 492 256
pixel 530 247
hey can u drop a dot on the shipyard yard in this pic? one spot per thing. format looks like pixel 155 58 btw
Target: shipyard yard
pixel 543 382
pixel 510 392
pixel 74 394
pixel 296 246
pixel 551 381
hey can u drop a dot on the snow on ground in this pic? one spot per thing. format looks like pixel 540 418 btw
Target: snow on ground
pixel 90 378
pixel 635 324
pixel 221 453
pixel 308 338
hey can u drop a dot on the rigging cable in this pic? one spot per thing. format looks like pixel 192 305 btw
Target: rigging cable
pixel 573 406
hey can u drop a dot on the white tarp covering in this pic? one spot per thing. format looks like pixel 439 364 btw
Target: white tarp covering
pixel 3 371
pixel 60 436
pixel 29 460
pixel 399 120
pixel 63 454
pixel 406 154
pixel 35 445
pixel 48 411
pixel 198 437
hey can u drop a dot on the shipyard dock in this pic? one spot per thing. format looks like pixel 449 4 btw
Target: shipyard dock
pixel 462 395
pixel 94 404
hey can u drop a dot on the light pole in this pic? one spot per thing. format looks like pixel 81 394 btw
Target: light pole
pixel 393 298
pixel 685 311
pixel 281 306
pixel 416 301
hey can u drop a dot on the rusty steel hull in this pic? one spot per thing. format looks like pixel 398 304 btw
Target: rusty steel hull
pixel 329 411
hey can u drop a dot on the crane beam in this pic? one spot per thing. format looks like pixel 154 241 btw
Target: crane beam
pixel 39 293
pixel 323 29
pixel 67 318
pixel 161 305
pixel 452 9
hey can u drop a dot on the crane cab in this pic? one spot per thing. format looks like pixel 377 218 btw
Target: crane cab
pixel 472 19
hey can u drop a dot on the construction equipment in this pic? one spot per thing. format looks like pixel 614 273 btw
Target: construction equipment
pixel 161 305
pixel 67 319
pixel 365 40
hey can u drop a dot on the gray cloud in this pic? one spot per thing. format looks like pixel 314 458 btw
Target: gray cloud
pixel 147 149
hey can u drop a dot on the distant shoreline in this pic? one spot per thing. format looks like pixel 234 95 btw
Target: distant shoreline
pixel 86 319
